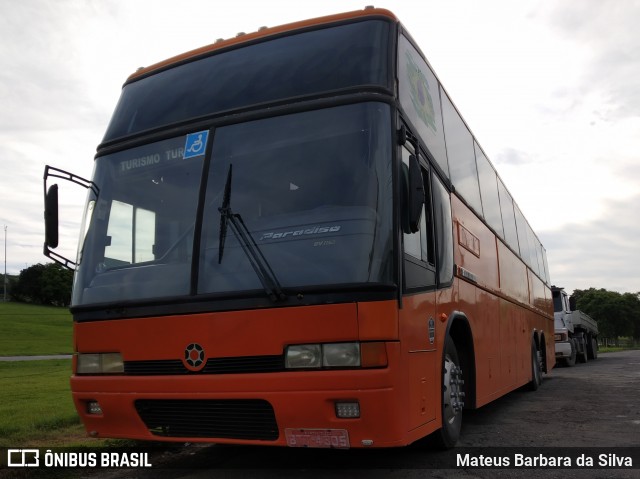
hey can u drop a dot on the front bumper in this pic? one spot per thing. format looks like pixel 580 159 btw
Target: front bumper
pixel 245 408
pixel 563 349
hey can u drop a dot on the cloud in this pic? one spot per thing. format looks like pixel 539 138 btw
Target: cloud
pixel 512 156
pixel 607 33
pixel 56 58
pixel 603 253
pixel 549 88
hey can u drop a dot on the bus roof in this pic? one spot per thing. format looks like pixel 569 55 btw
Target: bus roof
pixel 262 33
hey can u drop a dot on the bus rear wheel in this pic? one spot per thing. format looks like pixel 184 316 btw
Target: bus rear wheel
pixel 536 367
pixel 452 396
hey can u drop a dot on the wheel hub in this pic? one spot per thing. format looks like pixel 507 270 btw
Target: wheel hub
pixel 453 393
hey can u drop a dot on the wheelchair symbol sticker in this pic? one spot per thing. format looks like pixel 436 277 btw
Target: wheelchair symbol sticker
pixel 196 144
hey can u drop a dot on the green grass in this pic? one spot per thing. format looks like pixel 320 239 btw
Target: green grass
pixel 614 349
pixel 35 400
pixel 30 330
pixel 36 407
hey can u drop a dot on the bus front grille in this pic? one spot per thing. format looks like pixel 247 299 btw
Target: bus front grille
pixel 231 365
pixel 250 419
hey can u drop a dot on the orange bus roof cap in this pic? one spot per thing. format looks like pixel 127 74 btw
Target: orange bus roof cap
pixel 263 32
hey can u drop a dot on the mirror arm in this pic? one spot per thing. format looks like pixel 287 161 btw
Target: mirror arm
pixel 405 136
pixel 65 175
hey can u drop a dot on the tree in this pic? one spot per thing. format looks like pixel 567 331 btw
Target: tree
pixel 27 287
pixel 618 315
pixel 632 305
pixel 44 284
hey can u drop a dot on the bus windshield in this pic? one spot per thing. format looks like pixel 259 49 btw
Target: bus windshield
pixel 313 189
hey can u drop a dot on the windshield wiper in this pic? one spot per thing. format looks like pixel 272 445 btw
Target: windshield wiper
pixel 259 263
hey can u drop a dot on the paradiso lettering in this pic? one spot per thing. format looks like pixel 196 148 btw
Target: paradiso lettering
pixel 308 231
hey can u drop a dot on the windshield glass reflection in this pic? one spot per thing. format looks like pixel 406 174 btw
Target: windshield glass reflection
pixel 312 190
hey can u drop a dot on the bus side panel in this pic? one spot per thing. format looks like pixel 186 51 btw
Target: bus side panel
pixel 510 319
pixel 419 353
pixel 501 324
pixel 513 275
pixel 475 246
pixel 486 335
pixel 523 344
pixel 501 328
pixel 542 301
pixel 378 320
pixel 537 287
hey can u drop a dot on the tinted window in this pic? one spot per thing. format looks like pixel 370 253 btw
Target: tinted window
pixel 314 192
pixel 419 264
pixel 420 99
pixel 302 64
pixel 444 231
pixel 420 244
pixel 489 190
pixel 508 217
pixel 545 265
pixel 462 161
pixel 313 189
pixel 534 247
pixel 140 236
pixel 523 236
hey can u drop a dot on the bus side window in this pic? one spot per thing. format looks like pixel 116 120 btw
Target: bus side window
pixel 444 232
pixel 419 247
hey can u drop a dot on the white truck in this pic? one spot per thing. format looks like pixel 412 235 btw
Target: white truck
pixel 576 333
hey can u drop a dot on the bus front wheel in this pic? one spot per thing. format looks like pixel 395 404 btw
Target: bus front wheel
pixel 452 396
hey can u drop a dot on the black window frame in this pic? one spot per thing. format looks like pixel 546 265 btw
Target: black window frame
pixel 418 274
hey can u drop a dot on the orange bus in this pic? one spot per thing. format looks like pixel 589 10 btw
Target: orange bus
pixel 292 238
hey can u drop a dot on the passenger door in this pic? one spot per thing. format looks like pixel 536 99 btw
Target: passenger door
pixel 417 324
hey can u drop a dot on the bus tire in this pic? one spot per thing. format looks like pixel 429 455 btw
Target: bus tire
pixel 452 397
pixel 536 367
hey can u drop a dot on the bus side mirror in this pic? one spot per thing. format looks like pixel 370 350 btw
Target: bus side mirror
pixel 51 228
pixel 51 217
pixel 415 197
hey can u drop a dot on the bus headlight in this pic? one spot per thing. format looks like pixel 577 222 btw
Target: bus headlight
pixel 303 356
pixel 336 355
pixel 341 355
pixel 100 363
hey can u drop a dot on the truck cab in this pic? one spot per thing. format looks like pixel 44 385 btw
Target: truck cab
pixel 575 331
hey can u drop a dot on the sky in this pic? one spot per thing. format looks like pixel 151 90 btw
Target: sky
pixel 550 89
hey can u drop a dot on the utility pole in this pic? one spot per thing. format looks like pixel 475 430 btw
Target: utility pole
pixel 5 263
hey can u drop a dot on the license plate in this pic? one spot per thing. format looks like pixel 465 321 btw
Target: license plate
pixel 322 438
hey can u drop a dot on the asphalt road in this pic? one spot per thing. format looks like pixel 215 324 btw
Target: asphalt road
pixel 35 358
pixel 589 408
